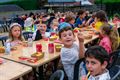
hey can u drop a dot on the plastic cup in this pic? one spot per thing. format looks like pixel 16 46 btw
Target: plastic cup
pixel 38 47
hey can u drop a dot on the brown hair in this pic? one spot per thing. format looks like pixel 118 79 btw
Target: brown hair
pixel 101 15
pixel 64 29
pixel 69 18
pixel 112 33
pixel 81 11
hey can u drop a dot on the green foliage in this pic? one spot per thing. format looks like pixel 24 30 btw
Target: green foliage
pixel 25 4
pixel 107 1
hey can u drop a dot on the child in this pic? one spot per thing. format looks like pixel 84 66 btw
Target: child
pixel 110 38
pixel 70 52
pixel 40 33
pixel 71 20
pixel 15 34
pixel 80 21
pixel 54 26
pixel 100 19
pixel 97 60
pixel 116 18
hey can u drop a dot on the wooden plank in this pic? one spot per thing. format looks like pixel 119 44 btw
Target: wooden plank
pixel 10 70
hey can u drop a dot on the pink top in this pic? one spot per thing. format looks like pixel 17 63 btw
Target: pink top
pixel 106 43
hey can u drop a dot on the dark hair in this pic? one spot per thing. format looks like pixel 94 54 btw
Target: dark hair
pixel 97 52
pixel 101 15
pixel 31 14
pixel 81 11
pixel 69 18
pixel 52 14
pixel 116 15
pixel 64 29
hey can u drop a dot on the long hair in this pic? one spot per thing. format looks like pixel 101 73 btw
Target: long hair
pixel 113 35
pixel 11 38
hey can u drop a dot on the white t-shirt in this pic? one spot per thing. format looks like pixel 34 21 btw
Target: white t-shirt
pixel 28 22
pixel 47 34
pixel 69 56
pixel 104 76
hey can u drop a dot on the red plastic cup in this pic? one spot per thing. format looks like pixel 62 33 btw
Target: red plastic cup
pixel 38 47
pixel 51 48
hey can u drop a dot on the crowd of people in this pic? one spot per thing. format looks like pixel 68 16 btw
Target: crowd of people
pixel 97 57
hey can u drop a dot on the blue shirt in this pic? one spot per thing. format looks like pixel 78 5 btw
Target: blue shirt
pixel 79 22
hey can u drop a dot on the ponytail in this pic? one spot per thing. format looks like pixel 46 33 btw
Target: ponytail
pixel 114 37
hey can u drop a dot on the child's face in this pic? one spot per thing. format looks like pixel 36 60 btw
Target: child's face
pixel 16 31
pixel 42 28
pixel 54 27
pixel 72 21
pixel 94 66
pixel 67 38
pixel 102 33
pixel 115 18
pixel 83 15
pixel 96 19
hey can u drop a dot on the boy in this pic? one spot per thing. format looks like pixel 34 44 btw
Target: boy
pixel 70 52
pixel 40 32
pixel 97 60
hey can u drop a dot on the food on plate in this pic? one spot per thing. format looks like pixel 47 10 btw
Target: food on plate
pixel 87 36
pixel 32 60
pixel 76 30
pixel 52 38
pixel 2 50
pixel 29 59
pixel 38 55
pixel 23 58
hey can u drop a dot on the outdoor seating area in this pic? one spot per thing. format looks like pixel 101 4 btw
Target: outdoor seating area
pixel 62 40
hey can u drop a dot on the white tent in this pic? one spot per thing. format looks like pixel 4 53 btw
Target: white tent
pixel 84 2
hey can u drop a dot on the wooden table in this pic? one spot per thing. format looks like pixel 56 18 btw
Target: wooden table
pixel 88 31
pixel 27 51
pixel 10 70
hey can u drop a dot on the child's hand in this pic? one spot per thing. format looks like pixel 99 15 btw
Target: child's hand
pixel 83 78
pixel 20 43
pixel 80 37
pixel 25 44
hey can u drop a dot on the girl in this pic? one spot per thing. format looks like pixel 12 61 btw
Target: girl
pixel 100 19
pixel 15 34
pixel 97 60
pixel 110 38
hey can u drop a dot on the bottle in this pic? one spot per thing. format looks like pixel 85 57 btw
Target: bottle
pixel 7 48
pixel 51 47
pixel 82 71
pixel 30 42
